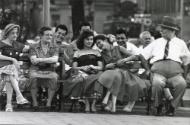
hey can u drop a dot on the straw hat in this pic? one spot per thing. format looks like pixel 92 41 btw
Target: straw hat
pixel 9 28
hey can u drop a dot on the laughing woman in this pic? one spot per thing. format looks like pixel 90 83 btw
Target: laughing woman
pixel 9 66
pixel 88 63
pixel 117 78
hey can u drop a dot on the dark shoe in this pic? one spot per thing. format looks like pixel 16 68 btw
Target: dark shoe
pixel 170 111
pixel 48 109
pixel 35 108
pixel 159 110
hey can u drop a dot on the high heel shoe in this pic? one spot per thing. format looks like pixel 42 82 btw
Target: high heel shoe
pixel 9 108
pixel 108 107
pixel 21 100
pixel 129 107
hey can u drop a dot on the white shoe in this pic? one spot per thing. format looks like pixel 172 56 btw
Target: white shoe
pixel 21 100
pixel 129 107
pixel 9 108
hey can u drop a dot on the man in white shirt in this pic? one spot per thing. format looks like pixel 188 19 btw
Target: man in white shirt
pixel 122 40
pixel 165 57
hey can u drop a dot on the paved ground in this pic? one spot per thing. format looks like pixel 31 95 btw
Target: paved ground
pixel 52 118
pixel 137 117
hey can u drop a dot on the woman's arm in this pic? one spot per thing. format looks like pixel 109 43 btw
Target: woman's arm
pixel 15 62
pixel 135 58
pixel 34 59
pixel 110 66
pixel 84 68
pixel 130 58
pixel 99 67
pixel 144 62
pixel 2 57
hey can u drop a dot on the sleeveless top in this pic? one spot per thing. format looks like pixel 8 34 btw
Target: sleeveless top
pixel 10 51
pixel 87 57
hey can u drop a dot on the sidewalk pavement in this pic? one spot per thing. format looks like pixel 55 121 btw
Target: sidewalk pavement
pixel 54 118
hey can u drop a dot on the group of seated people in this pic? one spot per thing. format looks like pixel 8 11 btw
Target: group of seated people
pixel 96 66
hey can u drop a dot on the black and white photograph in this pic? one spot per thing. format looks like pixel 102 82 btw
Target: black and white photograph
pixel 94 62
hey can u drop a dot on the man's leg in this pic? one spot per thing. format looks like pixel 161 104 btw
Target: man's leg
pixel 158 83
pixel 178 84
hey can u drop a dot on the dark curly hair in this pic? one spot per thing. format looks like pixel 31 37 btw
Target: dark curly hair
pixel 63 27
pixel 121 31
pixel 84 35
pixel 101 37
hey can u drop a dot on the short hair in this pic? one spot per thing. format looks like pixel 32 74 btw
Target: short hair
pixel 101 37
pixel 43 29
pixel 144 33
pixel 84 35
pixel 84 24
pixel 121 31
pixel 63 27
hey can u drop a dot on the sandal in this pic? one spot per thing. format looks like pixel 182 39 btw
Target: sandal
pixel 21 100
pixel 9 108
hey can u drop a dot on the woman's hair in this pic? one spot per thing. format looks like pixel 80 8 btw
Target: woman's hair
pixel 84 35
pixel 101 37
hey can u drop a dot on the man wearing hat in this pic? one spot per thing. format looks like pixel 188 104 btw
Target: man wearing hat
pixel 166 65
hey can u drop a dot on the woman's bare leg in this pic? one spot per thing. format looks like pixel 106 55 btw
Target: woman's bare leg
pixel 9 90
pixel 114 99
pixel 106 98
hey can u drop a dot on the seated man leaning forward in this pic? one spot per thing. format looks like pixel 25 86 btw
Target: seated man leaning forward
pixel 44 57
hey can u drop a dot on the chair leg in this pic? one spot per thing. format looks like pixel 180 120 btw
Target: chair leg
pixel 182 103
pixel 149 102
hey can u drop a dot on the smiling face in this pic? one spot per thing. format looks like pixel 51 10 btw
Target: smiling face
pixel 13 34
pixel 60 35
pixel 102 44
pixel 47 36
pixel 121 39
pixel 88 42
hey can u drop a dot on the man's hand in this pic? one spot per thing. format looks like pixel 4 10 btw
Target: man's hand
pixel 185 59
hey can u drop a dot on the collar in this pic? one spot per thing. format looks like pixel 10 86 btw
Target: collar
pixel 39 45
